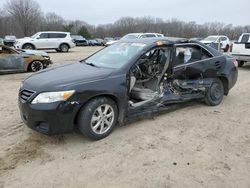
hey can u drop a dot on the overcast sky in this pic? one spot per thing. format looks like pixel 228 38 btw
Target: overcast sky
pixel 107 11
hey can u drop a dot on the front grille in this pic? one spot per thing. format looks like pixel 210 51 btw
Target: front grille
pixel 25 95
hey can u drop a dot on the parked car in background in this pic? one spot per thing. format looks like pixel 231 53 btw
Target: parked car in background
pixel 100 42
pixel 126 80
pixel 241 49
pixel 93 42
pixel 215 40
pixel 115 39
pixel 1 40
pixel 9 40
pixel 47 40
pixel 12 60
pixel 141 35
pixel 107 39
pixel 197 38
pixel 79 40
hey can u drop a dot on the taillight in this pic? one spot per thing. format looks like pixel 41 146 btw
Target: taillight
pixel 236 63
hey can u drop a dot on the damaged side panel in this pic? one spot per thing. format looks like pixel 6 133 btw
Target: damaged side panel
pixel 11 63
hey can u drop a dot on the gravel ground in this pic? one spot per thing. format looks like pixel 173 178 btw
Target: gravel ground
pixel 196 146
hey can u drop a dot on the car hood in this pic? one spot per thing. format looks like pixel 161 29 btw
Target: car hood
pixel 25 39
pixel 64 77
pixel 35 52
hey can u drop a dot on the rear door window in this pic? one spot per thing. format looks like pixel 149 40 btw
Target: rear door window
pixel 190 53
pixel 57 35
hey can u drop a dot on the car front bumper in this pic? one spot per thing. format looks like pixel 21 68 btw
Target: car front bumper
pixel 52 118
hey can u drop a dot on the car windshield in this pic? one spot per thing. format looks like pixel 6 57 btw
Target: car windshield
pixel 211 38
pixel 115 56
pixel 34 36
pixel 131 36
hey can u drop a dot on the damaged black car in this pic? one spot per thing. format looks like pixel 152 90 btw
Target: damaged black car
pixel 125 80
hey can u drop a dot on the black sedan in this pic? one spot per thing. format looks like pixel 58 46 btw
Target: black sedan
pixel 128 79
pixel 79 40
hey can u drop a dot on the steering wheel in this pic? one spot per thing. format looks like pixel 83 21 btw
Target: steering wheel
pixel 137 72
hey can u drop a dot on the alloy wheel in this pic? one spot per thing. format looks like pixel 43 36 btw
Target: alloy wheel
pixel 102 119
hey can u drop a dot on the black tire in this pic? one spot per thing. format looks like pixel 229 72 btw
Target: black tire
pixel 241 63
pixel 215 93
pixel 89 118
pixel 64 48
pixel 28 47
pixel 226 49
pixel 36 66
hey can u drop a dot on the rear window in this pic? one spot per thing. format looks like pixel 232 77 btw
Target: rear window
pixel 147 35
pixel 57 35
pixel 245 39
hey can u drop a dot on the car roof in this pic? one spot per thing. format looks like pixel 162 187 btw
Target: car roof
pixel 171 41
pixel 53 32
pixel 148 41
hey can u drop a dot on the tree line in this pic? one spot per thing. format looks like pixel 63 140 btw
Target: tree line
pixel 24 18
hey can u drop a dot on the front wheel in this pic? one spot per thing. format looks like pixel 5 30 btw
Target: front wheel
pixel 97 118
pixel 36 66
pixel 215 93
pixel 28 47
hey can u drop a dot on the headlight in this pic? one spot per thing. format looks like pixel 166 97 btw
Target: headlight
pixel 50 97
pixel 46 57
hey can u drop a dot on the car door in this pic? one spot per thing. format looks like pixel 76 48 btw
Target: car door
pixel 160 56
pixel 10 61
pixel 42 41
pixel 56 39
pixel 194 62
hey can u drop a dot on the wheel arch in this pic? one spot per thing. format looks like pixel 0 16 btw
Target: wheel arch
pixel 28 66
pixel 110 96
pixel 224 81
pixel 62 44
pixel 29 44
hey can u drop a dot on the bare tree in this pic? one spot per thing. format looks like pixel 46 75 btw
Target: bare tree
pixel 26 13
pixel 53 22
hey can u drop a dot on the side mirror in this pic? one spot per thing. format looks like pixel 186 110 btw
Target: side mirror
pixel 247 45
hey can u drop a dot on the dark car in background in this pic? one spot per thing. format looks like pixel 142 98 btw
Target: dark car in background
pixel 79 40
pixel 93 42
pixel 126 80
pixel 9 40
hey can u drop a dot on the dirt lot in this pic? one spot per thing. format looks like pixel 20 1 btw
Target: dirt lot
pixel 197 146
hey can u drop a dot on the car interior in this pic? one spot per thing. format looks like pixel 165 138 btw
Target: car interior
pixel 146 75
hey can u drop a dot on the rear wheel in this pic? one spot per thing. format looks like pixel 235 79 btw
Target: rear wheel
pixel 36 66
pixel 215 93
pixel 241 63
pixel 98 118
pixel 28 47
pixel 64 48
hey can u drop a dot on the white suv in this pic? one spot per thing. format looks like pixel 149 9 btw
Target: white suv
pixel 60 41
pixel 214 39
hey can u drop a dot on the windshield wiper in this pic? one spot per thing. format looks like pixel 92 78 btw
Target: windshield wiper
pixel 91 64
